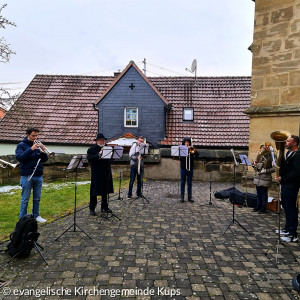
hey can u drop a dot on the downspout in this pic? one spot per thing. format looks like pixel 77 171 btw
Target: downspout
pixel 97 109
pixel 168 107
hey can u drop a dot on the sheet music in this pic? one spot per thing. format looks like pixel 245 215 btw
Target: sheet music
pixel 143 148
pixel 180 150
pixel 76 162
pixel 233 154
pixel 118 152
pixel 107 152
pixel 244 159
pixel 273 157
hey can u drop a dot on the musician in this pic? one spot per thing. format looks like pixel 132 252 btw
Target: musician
pixel 263 178
pixel 101 176
pixel 28 154
pixel 136 164
pixel 187 169
pixel 290 182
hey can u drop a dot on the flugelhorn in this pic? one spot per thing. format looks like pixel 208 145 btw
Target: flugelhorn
pixel 47 151
pixel 280 137
pixel 4 164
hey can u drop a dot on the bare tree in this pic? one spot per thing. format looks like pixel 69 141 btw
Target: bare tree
pixel 6 100
pixel 5 51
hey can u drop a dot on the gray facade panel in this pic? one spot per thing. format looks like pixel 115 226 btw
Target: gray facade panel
pixel 151 113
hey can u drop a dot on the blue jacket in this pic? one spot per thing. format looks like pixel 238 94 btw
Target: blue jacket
pixel 28 158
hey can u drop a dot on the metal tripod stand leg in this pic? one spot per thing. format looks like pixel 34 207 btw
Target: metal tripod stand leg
pixel 108 215
pixel 74 225
pixel 233 219
pixel 210 203
pixel 36 246
pixel 74 230
pixel 142 190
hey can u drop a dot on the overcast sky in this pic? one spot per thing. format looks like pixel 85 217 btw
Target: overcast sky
pixel 98 37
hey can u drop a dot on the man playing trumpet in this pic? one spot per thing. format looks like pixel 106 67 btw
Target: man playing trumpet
pixel 31 155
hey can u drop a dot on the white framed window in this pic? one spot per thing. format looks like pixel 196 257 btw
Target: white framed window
pixel 131 117
pixel 188 114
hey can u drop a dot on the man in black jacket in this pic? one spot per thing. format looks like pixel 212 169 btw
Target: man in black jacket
pixel 101 176
pixel 31 155
pixel 187 169
pixel 290 182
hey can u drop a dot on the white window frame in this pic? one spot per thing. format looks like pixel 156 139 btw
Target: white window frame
pixel 184 113
pixel 137 117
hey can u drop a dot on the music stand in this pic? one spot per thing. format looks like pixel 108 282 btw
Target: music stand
pixel 179 151
pixel 210 200
pixel 143 150
pixel 75 164
pixel 118 154
pixel 235 158
pixel 245 161
pixel 109 152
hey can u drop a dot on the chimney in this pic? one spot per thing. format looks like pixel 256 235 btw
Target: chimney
pixel 116 74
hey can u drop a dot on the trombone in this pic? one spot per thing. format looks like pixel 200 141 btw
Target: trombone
pixel 4 164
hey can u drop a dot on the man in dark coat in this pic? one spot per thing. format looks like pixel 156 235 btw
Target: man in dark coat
pixel 101 176
pixel 31 155
pixel 187 169
pixel 290 182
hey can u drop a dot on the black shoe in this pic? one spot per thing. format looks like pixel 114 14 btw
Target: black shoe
pixel 190 199
pixel 261 211
pixel 106 210
pixel 255 209
pixel 93 213
pixel 182 198
pixel 140 196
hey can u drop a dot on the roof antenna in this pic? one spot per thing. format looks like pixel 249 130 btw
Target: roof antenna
pixel 193 69
pixel 144 61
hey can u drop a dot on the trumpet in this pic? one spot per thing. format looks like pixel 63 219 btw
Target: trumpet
pixel 46 150
pixel 4 164
pixel 192 150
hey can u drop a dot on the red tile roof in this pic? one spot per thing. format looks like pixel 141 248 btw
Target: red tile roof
pixel 2 112
pixel 61 106
pixel 218 104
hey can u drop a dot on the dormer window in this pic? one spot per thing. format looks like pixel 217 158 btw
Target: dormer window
pixel 188 114
pixel 131 117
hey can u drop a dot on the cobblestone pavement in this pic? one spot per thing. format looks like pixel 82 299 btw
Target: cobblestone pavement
pixel 158 250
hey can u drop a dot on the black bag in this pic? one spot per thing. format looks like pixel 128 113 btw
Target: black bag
pixel 224 193
pixel 23 237
pixel 243 199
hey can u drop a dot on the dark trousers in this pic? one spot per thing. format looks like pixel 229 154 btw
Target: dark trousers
pixel 185 174
pixel 289 203
pixel 133 174
pixel 262 198
pixel 93 202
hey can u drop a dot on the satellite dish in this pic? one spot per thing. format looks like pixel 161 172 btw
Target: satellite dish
pixel 194 66
pixel 193 69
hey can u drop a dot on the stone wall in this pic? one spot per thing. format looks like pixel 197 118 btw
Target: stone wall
pixel 160 166
pixel 275 86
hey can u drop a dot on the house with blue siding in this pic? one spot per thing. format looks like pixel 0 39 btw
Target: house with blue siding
pixel 132 104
